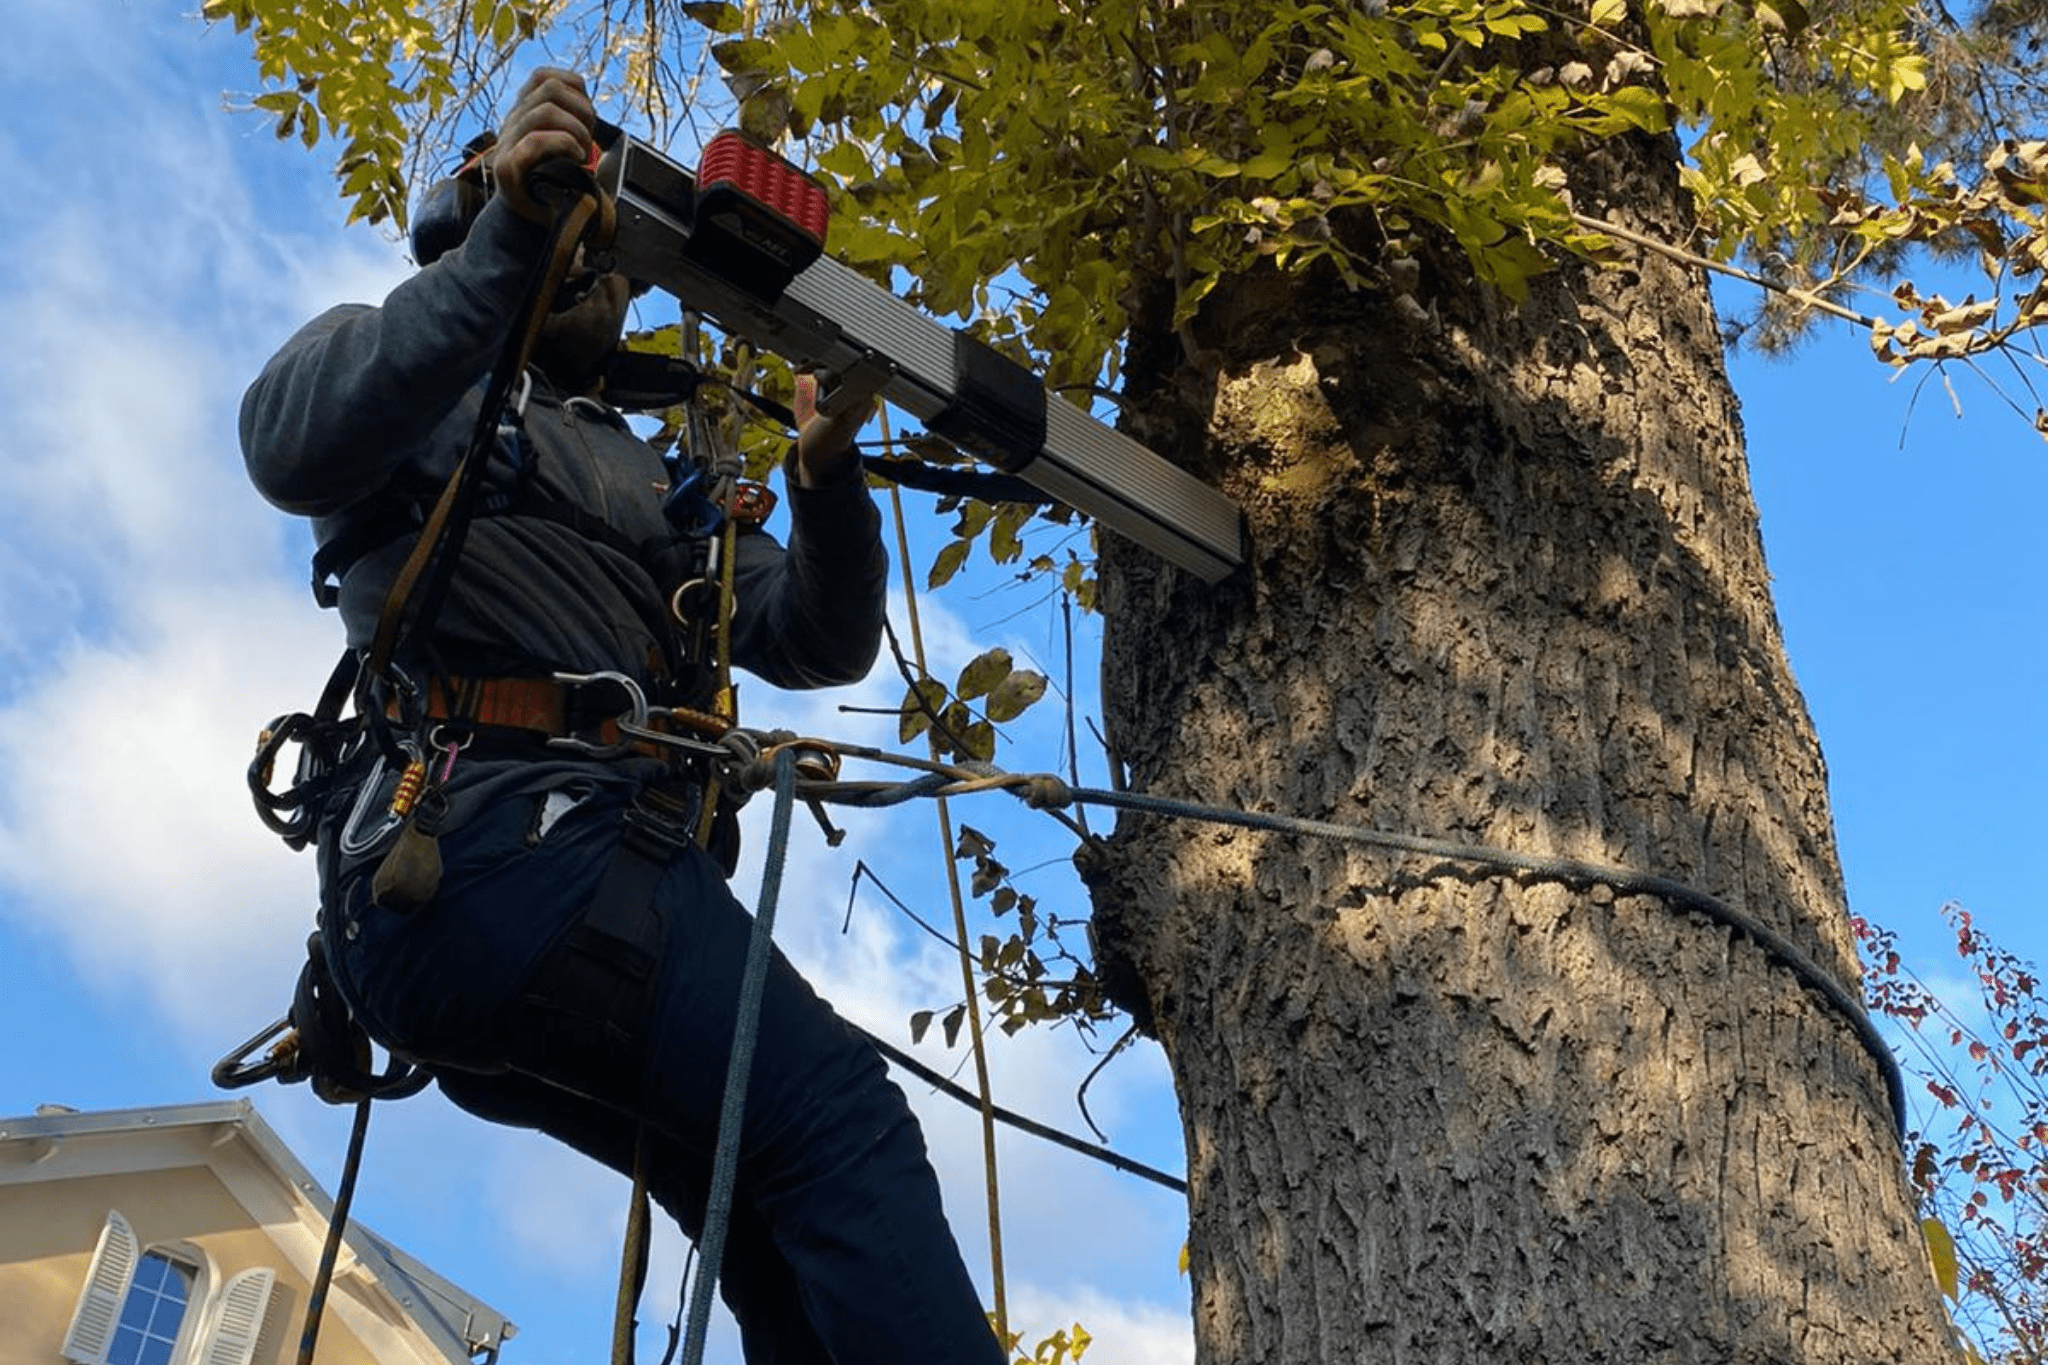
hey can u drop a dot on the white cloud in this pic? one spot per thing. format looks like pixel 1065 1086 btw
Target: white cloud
pixel 568 1211
pixel 1120 1333
pixel 157 617
pixel 128 831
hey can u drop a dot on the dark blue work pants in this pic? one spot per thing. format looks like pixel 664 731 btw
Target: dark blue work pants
pixel 838 1250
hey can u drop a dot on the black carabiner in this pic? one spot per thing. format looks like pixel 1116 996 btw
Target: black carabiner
pixel 235 1071
pixel 282 813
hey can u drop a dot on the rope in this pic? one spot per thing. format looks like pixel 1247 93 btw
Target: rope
pixel 992 1186
pixel 632 1253
pixel 1570 871
pixel 717 457
pixel 746 1027
pixel 423 580
pixel 1128 1165
pixel 1048 792
pixel 337 1224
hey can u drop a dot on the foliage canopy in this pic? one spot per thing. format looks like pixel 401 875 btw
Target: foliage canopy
pixel 1045 166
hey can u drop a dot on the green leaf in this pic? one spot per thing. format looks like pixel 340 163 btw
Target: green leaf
pixel 1268 164
pixel 974 516
pixel 1640 107
pixel 1003 545
pixel 715 15
pixel 845 160
pixel 1906 73
pixel 744 56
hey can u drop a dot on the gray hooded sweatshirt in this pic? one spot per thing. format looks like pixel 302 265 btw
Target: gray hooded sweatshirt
pixel 360 417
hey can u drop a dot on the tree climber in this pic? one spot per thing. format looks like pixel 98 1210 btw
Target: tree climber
pixel 574 966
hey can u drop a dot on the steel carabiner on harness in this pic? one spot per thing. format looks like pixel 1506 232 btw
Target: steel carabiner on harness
pixel 634 713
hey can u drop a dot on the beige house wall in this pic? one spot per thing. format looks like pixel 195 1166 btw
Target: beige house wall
pixel 211 1181
pixel 48 1231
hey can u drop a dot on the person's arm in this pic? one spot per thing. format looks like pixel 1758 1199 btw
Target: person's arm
pixel 811 616
pixel 357 392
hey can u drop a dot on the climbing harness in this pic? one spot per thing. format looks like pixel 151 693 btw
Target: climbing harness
pixel 597 987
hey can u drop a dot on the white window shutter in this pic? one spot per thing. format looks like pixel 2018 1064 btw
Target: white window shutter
pixel 238 1318
pixel 106 1285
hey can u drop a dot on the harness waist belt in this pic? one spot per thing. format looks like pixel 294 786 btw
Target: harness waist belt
pixel 588 711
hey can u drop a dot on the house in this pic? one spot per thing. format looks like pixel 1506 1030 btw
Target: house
pixel 189 1235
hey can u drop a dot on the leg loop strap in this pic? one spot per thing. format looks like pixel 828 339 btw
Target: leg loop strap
pixel 596 990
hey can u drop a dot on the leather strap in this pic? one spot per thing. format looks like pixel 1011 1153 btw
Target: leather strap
pixel 542 706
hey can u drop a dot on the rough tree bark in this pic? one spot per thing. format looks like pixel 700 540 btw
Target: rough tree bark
pixel 1507 587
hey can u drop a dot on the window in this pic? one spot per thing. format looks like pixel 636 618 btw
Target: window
pixel 139 1303
pixel 153 1311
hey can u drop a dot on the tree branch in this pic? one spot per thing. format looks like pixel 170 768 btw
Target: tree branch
pixel 1684 257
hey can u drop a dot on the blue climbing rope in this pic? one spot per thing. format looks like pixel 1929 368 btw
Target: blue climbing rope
pixel 746 1028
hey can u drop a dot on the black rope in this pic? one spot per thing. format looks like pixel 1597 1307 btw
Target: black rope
pixel 969 483
pixel 337 1224
pixel 1128 1165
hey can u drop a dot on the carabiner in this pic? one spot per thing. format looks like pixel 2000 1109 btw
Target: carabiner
pixel 633 717
pixel 354 839
pixel 280 1059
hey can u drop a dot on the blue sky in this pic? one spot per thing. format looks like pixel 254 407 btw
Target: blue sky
pixel 159 248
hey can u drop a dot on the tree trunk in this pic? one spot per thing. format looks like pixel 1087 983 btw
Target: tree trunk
pixel 1507 588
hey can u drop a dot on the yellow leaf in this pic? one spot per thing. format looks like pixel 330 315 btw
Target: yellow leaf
pixel 1183 1258
pixel 1941 1249
pixel 984 673
pixel 1014 695
pixel 1607 13
pixel 1907 73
